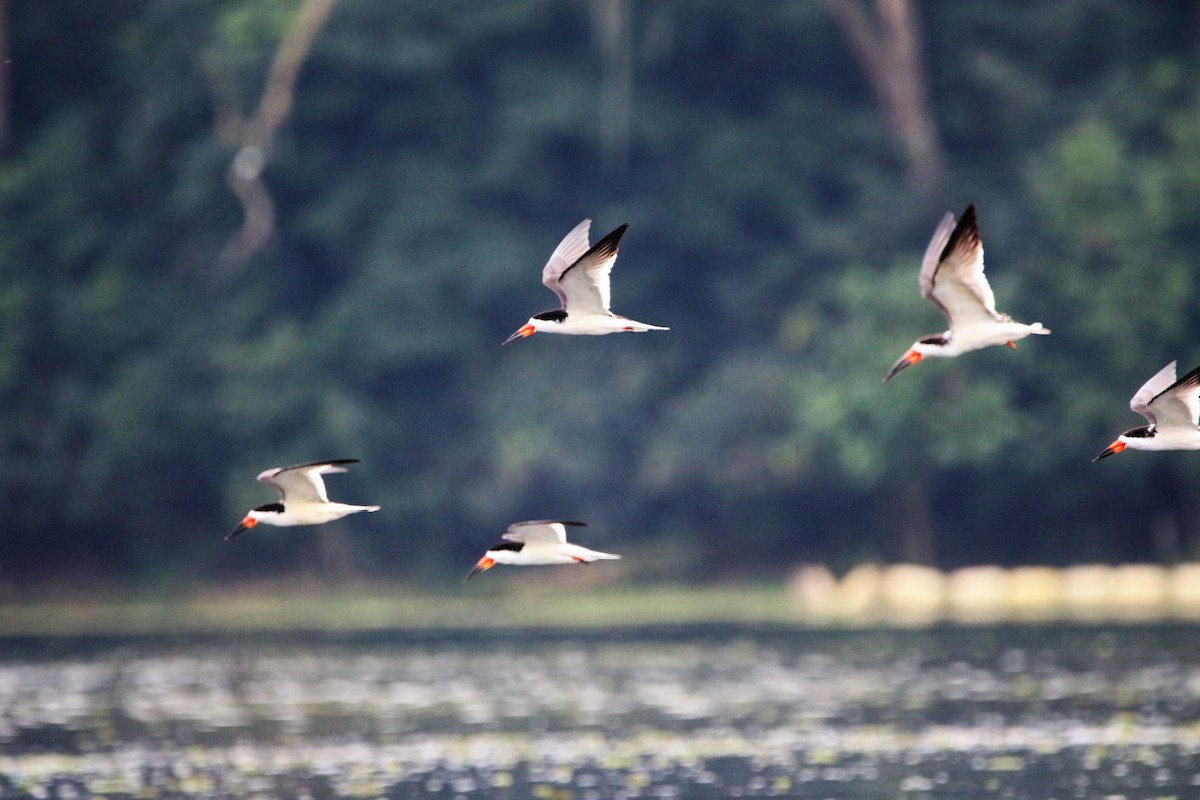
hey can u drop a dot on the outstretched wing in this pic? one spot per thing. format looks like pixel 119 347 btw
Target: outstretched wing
pixel 1178 404
pixel 303 481
pixel 952 272
pixel 540 530
pixel 1140 402
pixel 573 245
pixel 585 284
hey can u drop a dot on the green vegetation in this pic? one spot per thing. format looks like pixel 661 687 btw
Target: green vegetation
pixel 431 158
pixel 372 607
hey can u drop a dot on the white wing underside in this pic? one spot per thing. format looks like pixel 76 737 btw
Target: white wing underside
pixel 300 483
pixel 1166 405
pixel 569 250
pixel 540 532
pixel 956 284
pixel 585 284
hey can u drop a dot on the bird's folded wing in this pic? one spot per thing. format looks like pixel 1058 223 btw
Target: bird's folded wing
pixel 573 245
pixel 933 254
pixel 545 531
pixel 956 283
pixel 303 481
pixel 585 284
pixel 1150 391
pixel 1179 404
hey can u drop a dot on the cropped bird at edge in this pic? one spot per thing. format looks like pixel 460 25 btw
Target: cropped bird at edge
pixel 302 497
pixel 579 275
pixel 952 279
pixel 1171 406
pixel 537 542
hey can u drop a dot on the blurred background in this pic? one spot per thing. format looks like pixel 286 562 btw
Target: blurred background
pixel 238 234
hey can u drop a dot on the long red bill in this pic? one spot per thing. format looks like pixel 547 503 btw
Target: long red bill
pixel 521 333
pixel 484 564
pixel 246 524
pixel 1111 450
pixel 905 361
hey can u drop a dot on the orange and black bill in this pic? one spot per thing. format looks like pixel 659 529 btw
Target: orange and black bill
pixel 906 361
pixel 246 524
pixel 484 565
pixel 520 333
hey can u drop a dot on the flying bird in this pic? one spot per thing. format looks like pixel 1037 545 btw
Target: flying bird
pixel 952 279
pixel 579 275
pixel 1171 406
pixel 540 541
pixel 302 497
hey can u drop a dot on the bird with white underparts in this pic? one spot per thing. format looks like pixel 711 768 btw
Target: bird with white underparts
pixel 302 497
pixel 537 542
pixel 579 275
pixel 952 279
pixel 1171 406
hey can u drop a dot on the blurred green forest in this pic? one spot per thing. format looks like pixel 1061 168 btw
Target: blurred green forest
pixel 155 355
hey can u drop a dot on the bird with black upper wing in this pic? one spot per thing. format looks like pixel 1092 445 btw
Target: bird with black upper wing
pixel 302 497
pixel 952 279
pixel 537 542
pixel 1171 407
pixel 580 275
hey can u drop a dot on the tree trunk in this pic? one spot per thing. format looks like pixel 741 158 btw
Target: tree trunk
pixel 5 80
pixel 909 513
pixel 888 46
pixel 613 34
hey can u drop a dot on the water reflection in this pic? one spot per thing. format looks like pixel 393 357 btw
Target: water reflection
pixel 1019 712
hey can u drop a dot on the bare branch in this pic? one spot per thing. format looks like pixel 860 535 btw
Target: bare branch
pixel 279 92
pixel 253 137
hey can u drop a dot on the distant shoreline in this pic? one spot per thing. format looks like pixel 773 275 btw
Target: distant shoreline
pixel 868 595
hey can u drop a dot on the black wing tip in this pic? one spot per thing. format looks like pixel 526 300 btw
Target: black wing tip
pixel 336 462
pixel 547 522
pixel 1189 381
pixel 1191 378
pixel 966 231
pixel 602 249
pixel 610 242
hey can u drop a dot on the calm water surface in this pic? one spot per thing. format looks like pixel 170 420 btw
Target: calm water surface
pixel 1014 712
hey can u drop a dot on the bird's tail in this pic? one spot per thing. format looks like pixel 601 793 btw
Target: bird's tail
pixel 1038 327
pixel 596 555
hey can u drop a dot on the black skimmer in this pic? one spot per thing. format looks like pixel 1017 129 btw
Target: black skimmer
pixel 952 279
pixel 579 275
pixel 536 542
pixel 1171 406
pixel 302 498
